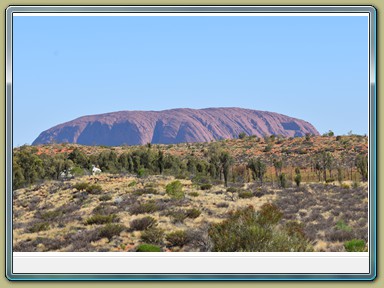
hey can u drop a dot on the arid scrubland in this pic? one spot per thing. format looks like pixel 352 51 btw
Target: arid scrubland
pixel 251 194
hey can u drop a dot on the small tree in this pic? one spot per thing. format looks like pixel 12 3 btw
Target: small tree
pixel 282 180
pixel 242 135
pixel 258 169
pixel 226 162
pixel 298 179
pixel 362 166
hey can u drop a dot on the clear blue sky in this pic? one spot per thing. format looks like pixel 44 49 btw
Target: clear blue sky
pixel 312 68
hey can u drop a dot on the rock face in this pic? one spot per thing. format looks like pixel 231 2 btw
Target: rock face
pixel 173 126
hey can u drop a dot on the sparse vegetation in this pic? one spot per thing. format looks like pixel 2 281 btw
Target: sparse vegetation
pixel 148 248
pixel 175 190
pixel 355 245
pixel 176 196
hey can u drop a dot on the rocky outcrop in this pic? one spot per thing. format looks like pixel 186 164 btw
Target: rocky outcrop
pixel 173 126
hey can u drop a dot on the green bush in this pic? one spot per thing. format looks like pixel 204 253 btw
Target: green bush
pixel 142 223
pixel 206 186
pixel 131 184
pixel 40 226
pixel 142 173
pixel 193 213
pixel 105 197
pixel 153 235
pixel 50 215
pixel 269 214
pixel 248 231
pixel 177 238
pixel 143 191
pixel 232 189
pixel 345 186
pixel 146 207
pixel 148 248
pixel 81 186
pixel 268 147
pixel 178 216
pixel 77 171
pixel 341 225
pixel 101 219
pixel 242 135
pixel 110 230
pixel 245 194
pixel 355 245
pixel 94 189
pixel 175 190
pixel 194 194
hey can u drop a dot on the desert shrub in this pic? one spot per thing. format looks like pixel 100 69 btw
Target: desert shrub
pixel 147 190
pixel 148 248
pixel 178 216
pixel 245 194
pixel 104 209
pixel 39 226
pixel 193 213
pixel 105 197
pixel 146 207
pixel 175 190
pixel 142 172
pixel 198 239
pixel 177 238
pixel 94 189
pixel 294 228
pixel 247 231
pixel 200 179
pixel 50 215
pixel 355 245
pixel 49 244
pixel 142 223
pixel 194 194
pixel 152 235
pixel 110 230
pixel 81 241
pixel 81 186
pixel 131 184
pixel 339 235
pixel 206 186
pixel 268 147
pixel 269 214
pixel 345 186
pixel 232 189
pixel 222 205
pixel 101 219
pixel 242 135
pixel 341 225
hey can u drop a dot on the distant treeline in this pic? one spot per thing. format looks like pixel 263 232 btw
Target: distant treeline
pixel 217 164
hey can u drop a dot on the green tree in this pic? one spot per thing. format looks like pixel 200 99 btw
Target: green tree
pixel 362 166
pixel 297 177
pixel 226 162
pixel 242 135
pixel 258 169
pixel 79 158
pixel 160 161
